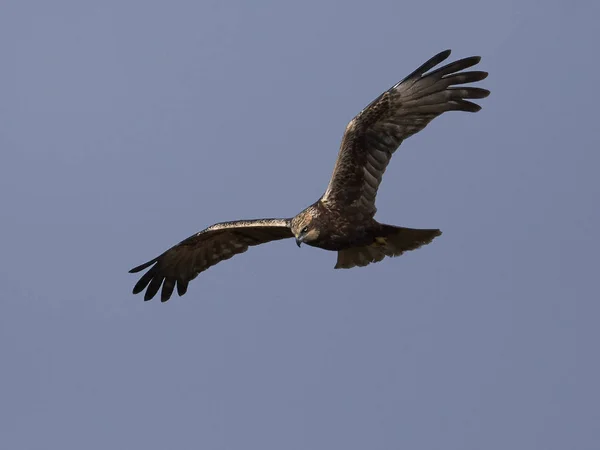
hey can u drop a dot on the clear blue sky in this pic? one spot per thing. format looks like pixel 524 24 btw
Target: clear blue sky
pixel 126 126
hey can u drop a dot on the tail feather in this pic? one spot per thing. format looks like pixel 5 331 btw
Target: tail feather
pixel 393 241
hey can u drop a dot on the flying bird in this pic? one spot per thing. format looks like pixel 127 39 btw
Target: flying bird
pixel 342 220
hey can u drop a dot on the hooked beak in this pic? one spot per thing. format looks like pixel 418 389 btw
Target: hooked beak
pixel 298 241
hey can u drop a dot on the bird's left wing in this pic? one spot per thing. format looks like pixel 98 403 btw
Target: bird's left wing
pixel 183 262
pixel 406 108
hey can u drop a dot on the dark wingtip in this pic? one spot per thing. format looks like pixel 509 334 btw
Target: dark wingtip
pixel 473 59
pixel 167 289
pixel 483 92
pixel 475 92
pixel 473 76
pixel 434 61
pixel 143 266
pixel 469 61
pixel 153 287
pixel 149 295
pixel 142 283
pixel 427 65
pixel 443 55
pixel 136 291
pixel 468 106
pixel 182 287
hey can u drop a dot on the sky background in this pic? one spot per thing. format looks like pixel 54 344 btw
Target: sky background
pixel 126 126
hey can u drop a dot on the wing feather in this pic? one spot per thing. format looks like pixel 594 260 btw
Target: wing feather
pixel 182 263
pixel 406 108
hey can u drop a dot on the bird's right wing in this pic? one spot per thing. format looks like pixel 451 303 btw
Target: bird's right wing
pixel 183 262
pixel 406 108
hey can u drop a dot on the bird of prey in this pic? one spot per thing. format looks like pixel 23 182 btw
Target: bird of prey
pixel 342 220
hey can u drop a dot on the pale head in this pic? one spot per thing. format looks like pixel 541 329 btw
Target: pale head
pixel 304 226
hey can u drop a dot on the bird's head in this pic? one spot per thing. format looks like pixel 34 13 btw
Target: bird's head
pixel 304 227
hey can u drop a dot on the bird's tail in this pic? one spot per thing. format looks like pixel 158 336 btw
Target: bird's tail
pixel 392 241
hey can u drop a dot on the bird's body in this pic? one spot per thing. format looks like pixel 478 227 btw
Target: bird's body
pixel 337 228
pixel 342 219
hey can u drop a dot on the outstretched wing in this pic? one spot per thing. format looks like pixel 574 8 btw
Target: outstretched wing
pixel 183 262
pixel 405 109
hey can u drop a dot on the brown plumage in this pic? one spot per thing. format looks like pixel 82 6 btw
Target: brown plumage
pixel 342 219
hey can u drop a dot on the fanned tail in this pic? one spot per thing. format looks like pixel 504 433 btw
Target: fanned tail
pixel 393 241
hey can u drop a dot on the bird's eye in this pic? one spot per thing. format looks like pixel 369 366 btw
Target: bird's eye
pixel 304 230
